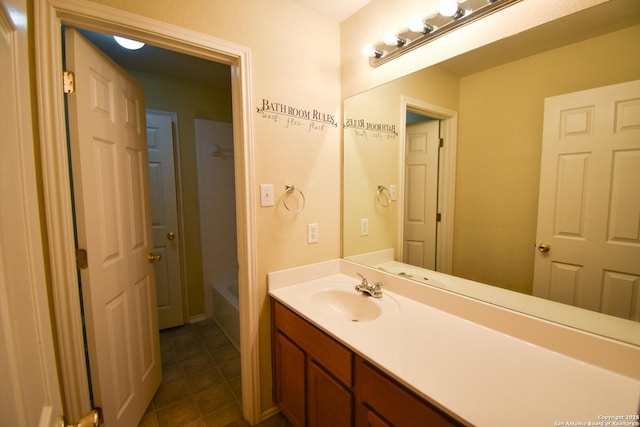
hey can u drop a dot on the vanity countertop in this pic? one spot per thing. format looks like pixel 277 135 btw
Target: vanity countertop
pixel 484 376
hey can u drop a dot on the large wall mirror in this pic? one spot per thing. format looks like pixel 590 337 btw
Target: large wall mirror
pixel 469 205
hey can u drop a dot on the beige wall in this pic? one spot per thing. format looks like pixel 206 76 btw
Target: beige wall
pixel 499 148
pixel 189 102
pixel 295 60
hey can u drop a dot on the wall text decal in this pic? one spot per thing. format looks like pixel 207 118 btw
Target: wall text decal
pixel 371 130
pixel 294 117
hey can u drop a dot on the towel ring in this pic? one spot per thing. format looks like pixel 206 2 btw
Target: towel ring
pixel 288 190
pixel 380 196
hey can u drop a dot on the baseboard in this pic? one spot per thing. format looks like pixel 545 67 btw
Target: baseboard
pixel 197 318
pixel 270 412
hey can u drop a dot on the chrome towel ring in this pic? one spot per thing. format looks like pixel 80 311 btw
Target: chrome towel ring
pixel 383 195
pixel 288 191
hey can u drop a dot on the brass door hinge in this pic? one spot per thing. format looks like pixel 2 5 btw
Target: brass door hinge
pixel 69 83
pixel 82 261
pixel 441 142
pixel 438 217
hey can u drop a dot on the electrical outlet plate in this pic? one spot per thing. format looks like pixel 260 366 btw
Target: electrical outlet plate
pixel 312 233
pixel 364 226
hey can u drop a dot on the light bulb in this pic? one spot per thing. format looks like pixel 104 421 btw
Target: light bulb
pixel 390 39
pixel 128 43
pixel 370 51
pixel 417 25
pixel 448 7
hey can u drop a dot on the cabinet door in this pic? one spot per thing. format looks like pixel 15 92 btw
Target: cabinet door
pixel 329 403
pixel 393 402
pixel 372 419
pixel 290 386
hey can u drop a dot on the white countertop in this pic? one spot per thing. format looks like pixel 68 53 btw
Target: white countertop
pixel 484 376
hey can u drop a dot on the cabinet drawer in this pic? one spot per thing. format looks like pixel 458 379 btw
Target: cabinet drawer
pixel 328 352
pixel 397 405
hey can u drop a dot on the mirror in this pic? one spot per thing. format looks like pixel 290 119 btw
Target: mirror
pixel 489 107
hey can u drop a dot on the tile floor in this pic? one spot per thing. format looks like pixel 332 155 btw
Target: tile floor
pixel 201 381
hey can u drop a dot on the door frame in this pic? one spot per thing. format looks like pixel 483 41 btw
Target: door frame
pixel 49 16
pixel 446 177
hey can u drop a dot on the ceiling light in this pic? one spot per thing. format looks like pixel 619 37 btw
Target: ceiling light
pixel 128 43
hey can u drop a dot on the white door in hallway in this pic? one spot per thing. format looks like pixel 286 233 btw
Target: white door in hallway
pixel 164 216
pixel 420 194
pixel 29 391
pixel 589 205
pixel 113 223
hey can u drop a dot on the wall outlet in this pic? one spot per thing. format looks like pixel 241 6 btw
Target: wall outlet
pixel 364 226
pixel 312 233
pixel 266 194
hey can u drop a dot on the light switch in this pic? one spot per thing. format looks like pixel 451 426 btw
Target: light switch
pixel 266 194
pixel 393 192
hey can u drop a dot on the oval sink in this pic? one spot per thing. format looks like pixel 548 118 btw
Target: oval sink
pixel 346 305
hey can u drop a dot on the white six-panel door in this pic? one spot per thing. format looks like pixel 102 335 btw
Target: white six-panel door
pixel 112 208
pixel 164 217
pixel 589 204
pixel 421 194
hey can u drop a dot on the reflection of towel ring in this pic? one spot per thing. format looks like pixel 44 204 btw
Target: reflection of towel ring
pixel 381 197
pixel 288 190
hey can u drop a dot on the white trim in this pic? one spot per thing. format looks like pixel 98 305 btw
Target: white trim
pixel 446 173
pixel 49 16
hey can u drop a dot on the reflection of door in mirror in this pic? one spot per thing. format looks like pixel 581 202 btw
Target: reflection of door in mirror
pixel 590 200
pixel 420 194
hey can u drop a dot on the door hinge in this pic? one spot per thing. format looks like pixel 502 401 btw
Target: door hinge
pixel 441 142
pixel 438 217
pixel 82 261
pixel 69 84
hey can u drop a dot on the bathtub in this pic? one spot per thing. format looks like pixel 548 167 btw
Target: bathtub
pixel 226 311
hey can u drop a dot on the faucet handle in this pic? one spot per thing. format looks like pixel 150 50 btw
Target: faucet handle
pixel 364 279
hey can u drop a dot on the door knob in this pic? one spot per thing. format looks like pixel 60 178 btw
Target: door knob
pixel 544 247
pixel 171 235
pixel 154 257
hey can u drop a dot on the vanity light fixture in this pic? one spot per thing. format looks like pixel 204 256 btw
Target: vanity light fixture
pixel 128 43
pixel 453 14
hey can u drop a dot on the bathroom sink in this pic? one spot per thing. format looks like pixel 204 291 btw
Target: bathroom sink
pixel 347 305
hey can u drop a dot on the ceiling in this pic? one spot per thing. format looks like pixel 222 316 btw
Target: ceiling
pixel 336 9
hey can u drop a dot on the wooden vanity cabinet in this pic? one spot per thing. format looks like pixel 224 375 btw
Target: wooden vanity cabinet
pixel 381 401
pixel 320 382
pixel 313 372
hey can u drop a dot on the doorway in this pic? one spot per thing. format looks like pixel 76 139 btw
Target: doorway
pixel 446 121
pixel 49 18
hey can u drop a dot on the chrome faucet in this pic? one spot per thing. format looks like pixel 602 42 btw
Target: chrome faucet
pixel 371 289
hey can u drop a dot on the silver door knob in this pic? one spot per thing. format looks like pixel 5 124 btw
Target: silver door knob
pixel 154 257
pixel 544 247
pixel 171 235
